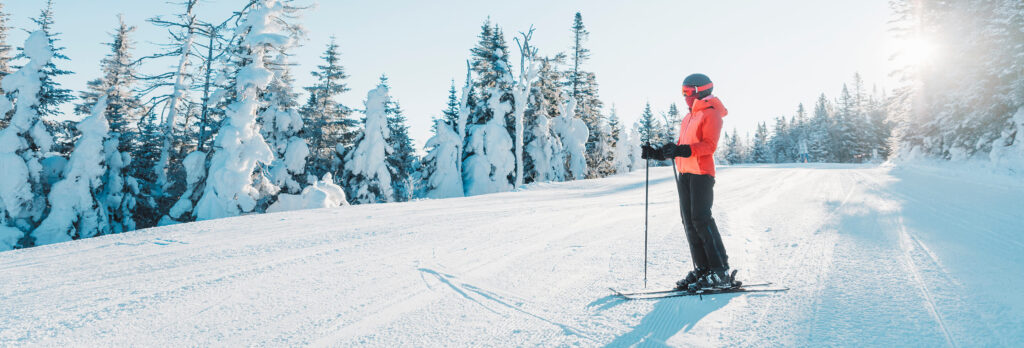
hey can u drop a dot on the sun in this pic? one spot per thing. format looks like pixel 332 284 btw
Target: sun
pixel 918 51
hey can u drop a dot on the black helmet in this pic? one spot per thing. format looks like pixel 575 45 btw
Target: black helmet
pixel 701 84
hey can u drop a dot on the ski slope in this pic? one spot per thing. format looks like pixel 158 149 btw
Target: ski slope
pixel 874 256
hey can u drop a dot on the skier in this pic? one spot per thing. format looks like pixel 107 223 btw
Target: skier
pixel 693 155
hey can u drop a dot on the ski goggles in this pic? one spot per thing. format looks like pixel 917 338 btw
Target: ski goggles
pixel 690 91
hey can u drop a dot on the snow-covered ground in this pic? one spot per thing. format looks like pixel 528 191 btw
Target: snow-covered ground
pixel 874 256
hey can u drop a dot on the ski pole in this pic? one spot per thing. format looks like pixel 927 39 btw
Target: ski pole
pixel 647 184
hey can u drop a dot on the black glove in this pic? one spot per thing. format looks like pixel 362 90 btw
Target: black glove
pixel 671 150
pixel 648 152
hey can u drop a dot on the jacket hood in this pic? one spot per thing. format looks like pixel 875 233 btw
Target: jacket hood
pixel 711 102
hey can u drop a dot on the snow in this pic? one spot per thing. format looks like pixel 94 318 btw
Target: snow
pixel 230 186
pixel 573 133
pixel 634 146
pixel 195 170
pixel 545 150
pixel 488 168
pixel 1008 151
pixel 21 195
pixel 874 256
pixel 14 185
pixel 443 180
pixel 521 95
pixel 623 150
pixel 75 209
pixel 366 170
pixel 321 194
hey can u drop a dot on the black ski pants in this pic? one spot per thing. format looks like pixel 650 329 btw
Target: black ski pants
pixel 696 194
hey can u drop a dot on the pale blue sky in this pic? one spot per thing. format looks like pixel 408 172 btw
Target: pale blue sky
pixel 764 57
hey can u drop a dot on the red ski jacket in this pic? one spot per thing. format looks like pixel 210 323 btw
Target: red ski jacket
pixel 701 129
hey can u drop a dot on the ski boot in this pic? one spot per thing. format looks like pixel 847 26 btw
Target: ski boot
pixel 690 279
pixel 720 279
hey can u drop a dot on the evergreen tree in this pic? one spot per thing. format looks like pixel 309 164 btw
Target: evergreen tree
pixel 5 59
pixel 117 84
pixel 584 89
pixel 440 171
pixel 621 148
pixel 488 159
pixel 23 145
pixel 818 137
pixel 176 104
pixel 673 121
pixel 543 148
pixel 77 208
pixel 982 56
pixel 402 161
pixel 145 153
pixel 649 127
pixel 450 115
pixel 235 184
pixel 367 176
pixel 734 148
pixel 125 194
pixel 329 129
pixel 282 125
pixel 780 144
pixel 573 134
pixel 51 95
pixel 759 150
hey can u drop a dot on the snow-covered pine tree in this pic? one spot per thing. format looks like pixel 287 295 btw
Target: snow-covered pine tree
pixel 572 133
pixel 23 144
pixel 367 176
pixel 281 122
pixel 467 105
pixel 721 154
pixel 635 142
pixel 734 148
pixel 605 149
pixel 819 140
pixel 5 59
pixel 239 148
pixel 780 143
pixel 439 175
pixel 402 161
pixel 981 54
pixel 125 194
pixel 759 151
pixel 489 162
pixel 879 127
pixel 117 83
pixel 583 88
pixel 529 71
pixel 450 115
pixel 622 150
pixel 544 159
pixel 440 170
pixel 673 120
pixel 330 130
pixel 182 30
pixel 51 95
pixel 77 206
pixel 281 125
pixel 649 128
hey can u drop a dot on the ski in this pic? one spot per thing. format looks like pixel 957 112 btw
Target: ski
pixel 672 290
pixel 677 293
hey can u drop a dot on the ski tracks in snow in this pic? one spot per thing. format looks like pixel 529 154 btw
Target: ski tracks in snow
pixel 871 257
